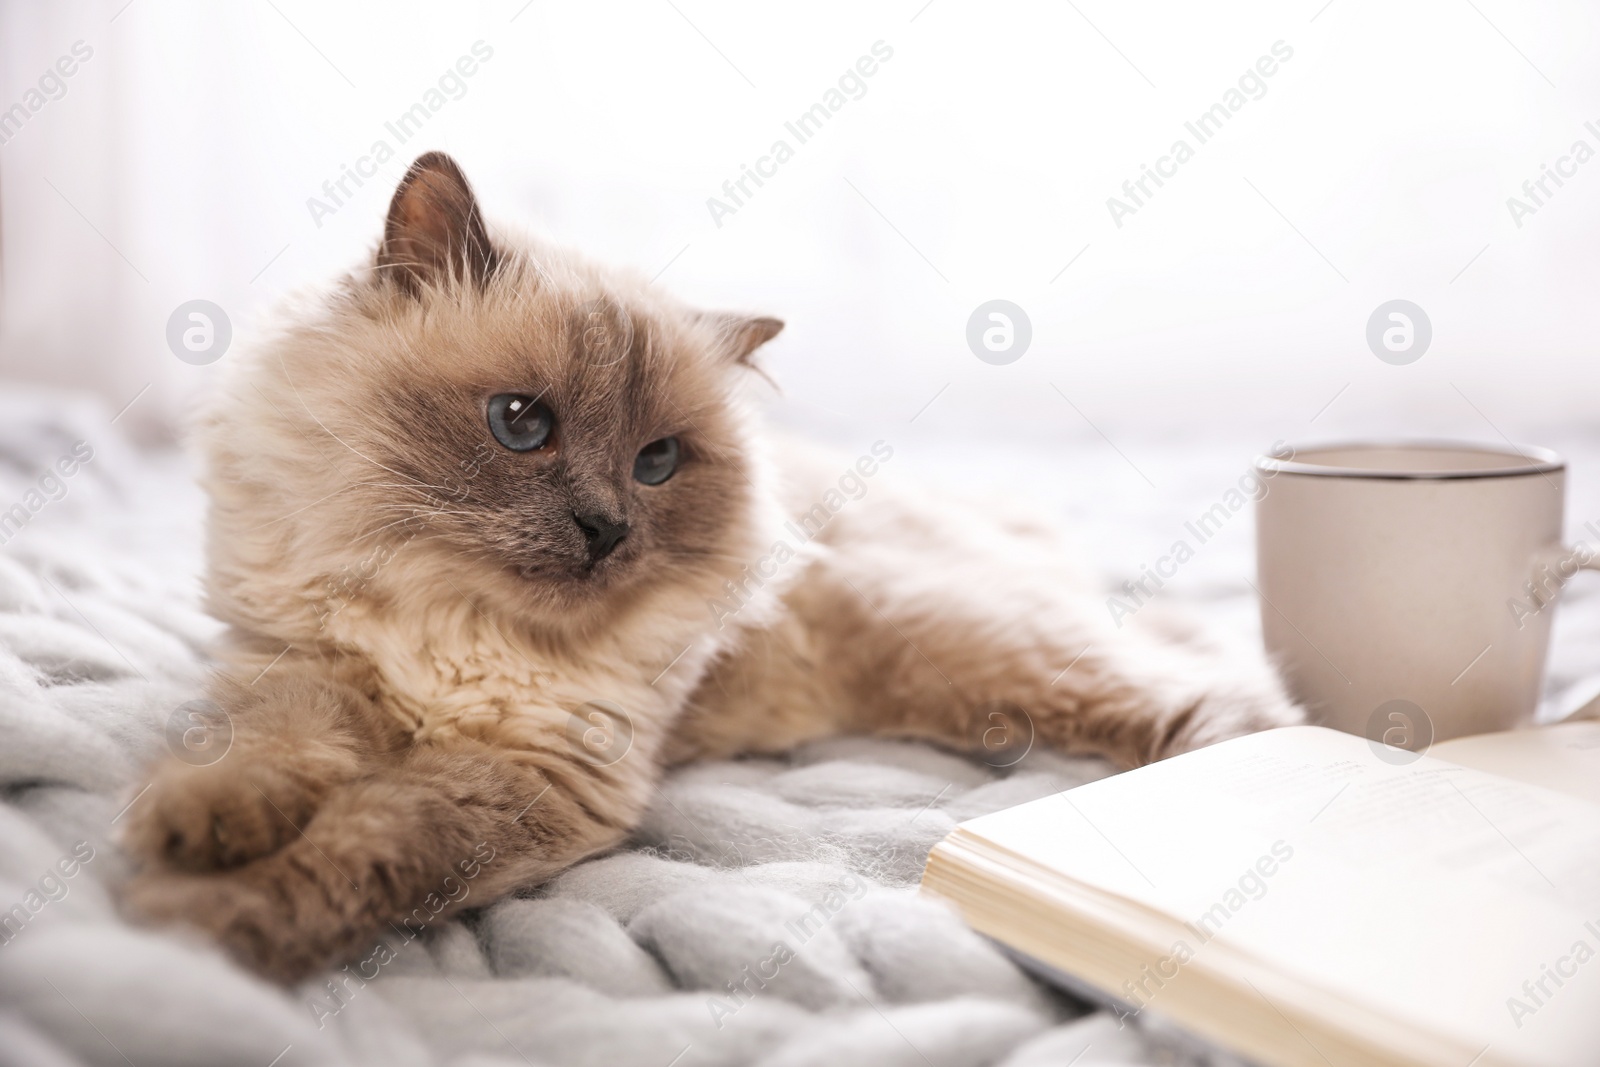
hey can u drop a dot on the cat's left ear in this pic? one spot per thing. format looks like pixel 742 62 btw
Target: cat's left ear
pixel 434 229
pixel 738 336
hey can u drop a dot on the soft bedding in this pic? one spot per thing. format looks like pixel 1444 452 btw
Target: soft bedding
pixel 764 912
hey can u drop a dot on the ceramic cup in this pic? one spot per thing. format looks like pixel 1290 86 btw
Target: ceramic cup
pixel 1407 588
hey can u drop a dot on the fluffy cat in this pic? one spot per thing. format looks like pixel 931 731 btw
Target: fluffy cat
pixel 497 539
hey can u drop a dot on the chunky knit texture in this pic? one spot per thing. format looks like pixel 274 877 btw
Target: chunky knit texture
pixel 764 912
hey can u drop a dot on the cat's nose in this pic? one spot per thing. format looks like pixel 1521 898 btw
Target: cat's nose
pixel 601 532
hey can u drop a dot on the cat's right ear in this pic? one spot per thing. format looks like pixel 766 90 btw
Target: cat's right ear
pixel 738 336
pixel 434 229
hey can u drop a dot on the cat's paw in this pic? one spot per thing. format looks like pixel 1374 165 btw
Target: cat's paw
pixel 1224 713
pixel 218 816
pixel 248 917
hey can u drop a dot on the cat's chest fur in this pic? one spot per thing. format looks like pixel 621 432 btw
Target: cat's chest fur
pixel 448 671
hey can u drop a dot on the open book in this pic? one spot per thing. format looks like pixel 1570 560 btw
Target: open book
pixel 1305 898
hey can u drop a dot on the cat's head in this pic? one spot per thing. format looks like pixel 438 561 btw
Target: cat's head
pixel 480 412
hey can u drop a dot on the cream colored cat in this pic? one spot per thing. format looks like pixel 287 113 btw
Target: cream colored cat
pixel 497 540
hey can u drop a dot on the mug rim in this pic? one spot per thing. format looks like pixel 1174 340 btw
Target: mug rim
pixel 1522 460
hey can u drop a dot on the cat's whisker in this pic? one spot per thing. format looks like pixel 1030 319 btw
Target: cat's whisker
pixel 296 511
pixel 421 514
pixel 292 385
pixel 380 529
pixel 401 507
pixel 418 487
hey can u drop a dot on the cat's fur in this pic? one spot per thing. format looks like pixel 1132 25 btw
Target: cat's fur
pixel 425 667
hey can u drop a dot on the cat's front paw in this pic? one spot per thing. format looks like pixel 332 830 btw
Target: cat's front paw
pixel 1223 713
pixel 248 917
pixel 218 816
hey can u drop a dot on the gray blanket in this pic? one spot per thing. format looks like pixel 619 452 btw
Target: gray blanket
pixel 765 911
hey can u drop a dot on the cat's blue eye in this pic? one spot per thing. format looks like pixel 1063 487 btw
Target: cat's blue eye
pixel 521 423
pixel 656 461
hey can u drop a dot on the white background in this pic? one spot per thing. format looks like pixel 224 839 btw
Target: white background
pixel 1227 313
pixel 977 166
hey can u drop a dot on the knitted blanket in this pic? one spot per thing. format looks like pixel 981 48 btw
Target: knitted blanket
pixel 764 912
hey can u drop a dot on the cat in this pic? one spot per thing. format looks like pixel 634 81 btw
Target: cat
pixel 497 536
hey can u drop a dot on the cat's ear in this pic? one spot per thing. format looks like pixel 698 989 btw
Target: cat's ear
pixel 738 336
pixel 434 229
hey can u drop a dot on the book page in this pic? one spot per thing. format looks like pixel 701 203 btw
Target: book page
pixel 1427 891
pixel 1564 756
